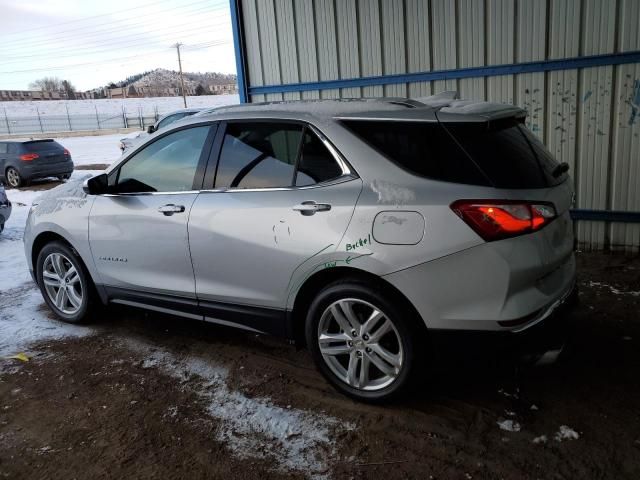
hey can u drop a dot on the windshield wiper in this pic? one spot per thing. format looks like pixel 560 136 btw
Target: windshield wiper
pixel 560 169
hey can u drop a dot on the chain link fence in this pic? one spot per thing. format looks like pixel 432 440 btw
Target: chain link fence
pixel 12 124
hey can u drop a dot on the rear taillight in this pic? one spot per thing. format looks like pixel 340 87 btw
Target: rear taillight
pixel 496 219
pixel 66 152
pixel 27 157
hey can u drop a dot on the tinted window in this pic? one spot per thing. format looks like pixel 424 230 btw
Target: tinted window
pixel 3 148
pixel 12 147
pixel 258 155
pixel 425 149
pixel 508 153
pixel 169 120
pixel 504 155
pixel 42 146
pixel 167 165
pixel 316 162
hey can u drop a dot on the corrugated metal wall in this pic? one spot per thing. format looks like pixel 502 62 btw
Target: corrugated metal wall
pixel 589 117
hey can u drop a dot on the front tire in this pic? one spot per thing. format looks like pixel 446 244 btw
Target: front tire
pixel 361 341
pixel 65 283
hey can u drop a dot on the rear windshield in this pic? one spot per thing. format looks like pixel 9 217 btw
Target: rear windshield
pixel 42 146
pixel 503 155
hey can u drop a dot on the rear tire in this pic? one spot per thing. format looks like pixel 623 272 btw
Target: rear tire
pixel 361 341
pixel 65 283
pixel 14 180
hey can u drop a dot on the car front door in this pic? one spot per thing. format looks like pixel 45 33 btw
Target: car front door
pixel 282 194
pixel 138 231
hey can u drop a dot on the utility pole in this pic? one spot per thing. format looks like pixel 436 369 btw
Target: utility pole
pixel 184 97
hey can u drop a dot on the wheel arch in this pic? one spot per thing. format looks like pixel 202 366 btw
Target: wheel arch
pixel 307 292
pixel 44 238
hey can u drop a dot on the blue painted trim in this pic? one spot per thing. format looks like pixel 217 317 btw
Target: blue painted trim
pixel 473 72
pixel 236 26
pixel 605 215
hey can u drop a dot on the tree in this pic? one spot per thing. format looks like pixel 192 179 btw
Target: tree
pixel 47 84
pixel 69 89
pixel 132 91
pixel 199 90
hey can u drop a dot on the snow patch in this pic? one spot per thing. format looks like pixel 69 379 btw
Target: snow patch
pixel 24 321
pixel 540 439
pixel 391 193
pixel 614 290
pixel 509 426
pixel 566 433
pixel 296 439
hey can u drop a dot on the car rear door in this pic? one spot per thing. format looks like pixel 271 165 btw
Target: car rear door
pixel 138 233
pixel 277 202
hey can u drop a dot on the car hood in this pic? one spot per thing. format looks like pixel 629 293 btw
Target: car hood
pixel 67 195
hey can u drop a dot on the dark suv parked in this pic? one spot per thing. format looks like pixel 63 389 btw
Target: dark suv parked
pixel 22 162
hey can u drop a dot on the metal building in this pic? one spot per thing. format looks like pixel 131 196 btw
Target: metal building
pixel 573 64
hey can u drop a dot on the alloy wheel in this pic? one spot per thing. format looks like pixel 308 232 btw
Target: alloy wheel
pixel 13 177
pixel 360 344
pixel 62 283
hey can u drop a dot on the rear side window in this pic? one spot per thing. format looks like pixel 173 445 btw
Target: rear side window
pixel 3 148
pixel 258 155
pixel 504 155
pixel 425 149
pixel 316 163
pixel 42 146
pixel 12 148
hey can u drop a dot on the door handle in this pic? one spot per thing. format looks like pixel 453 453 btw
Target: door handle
pixel 311 207
pixel 170 209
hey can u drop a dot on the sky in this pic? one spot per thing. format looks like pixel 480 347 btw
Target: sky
pixel 92 43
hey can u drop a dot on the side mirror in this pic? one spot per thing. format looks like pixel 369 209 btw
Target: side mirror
pixel 151 129
pixel 96 185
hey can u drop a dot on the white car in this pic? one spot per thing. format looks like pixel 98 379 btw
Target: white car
pixel 127 142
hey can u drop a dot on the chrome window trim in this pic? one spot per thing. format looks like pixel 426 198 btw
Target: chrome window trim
pixel 347 173
pixel 332 150
pixel 131 194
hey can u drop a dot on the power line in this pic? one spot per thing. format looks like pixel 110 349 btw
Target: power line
pixel 112 60
pixel 50 41
pixel 111 46
pixel 117 27
pixel 153 4
pixel 133 40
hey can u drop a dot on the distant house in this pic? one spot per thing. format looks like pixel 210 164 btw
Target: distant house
pixel 121 92
pixel 26 95
pixel 223 89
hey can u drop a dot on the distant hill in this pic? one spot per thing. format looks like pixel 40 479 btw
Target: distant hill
pixel 161 78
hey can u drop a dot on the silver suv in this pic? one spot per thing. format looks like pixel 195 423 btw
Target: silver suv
pixel 362 228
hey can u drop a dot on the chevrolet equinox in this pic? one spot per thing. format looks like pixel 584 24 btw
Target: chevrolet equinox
pixel 360 228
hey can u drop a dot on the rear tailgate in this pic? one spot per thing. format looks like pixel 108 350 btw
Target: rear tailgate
pixel 49 152
pixel 520 167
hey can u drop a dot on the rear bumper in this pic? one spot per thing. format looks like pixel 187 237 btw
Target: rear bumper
pixel 30 172
pixel 541 341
